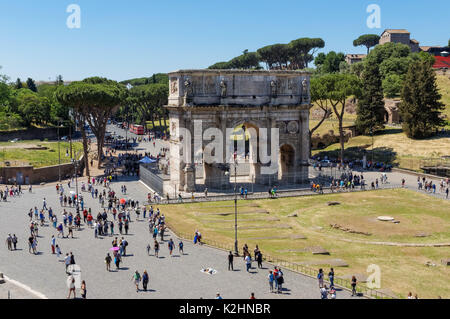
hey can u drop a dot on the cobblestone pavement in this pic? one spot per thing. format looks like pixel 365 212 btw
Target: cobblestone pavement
pixel 170 277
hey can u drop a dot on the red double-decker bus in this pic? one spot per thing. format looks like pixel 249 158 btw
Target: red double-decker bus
pixel 137 129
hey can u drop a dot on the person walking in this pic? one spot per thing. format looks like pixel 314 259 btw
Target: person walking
pixel 323 292
pixel 156 247
pixel 280 281
pixel 145 279
pixel 320 278
pixel 331 277
pixel 271 280
pixel 9 242
pixel 137 279
pixel 248 262
pixel 14 241
pixel 259 259
pixel 71 281
pixel 67 262
pixel 230 261
pixel 83 290
pixel 354 282
pixel 117 261
pixel 58 251
pixel 108 262
pixel 170 245
pixel 53 244
pixel 180 247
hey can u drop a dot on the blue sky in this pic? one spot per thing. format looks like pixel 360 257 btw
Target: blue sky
pixel 126 39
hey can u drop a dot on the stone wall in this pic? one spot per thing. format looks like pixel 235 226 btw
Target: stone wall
pixel 30 175
pixel 34 134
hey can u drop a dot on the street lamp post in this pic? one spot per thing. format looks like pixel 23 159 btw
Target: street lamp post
pixel 59 155
pixel 371 132
pixel 75 162
pixel 236 250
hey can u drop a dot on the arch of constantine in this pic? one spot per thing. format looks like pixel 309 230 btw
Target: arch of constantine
pixel 222 119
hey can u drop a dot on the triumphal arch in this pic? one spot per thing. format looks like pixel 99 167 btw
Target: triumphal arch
pixel 221 119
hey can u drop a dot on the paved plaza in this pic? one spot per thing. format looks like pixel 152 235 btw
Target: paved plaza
pixel 170 277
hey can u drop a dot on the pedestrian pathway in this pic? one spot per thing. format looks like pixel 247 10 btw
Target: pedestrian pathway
pixel 179 276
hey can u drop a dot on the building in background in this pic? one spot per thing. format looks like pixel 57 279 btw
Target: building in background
pixel 399 36
pixel 354 58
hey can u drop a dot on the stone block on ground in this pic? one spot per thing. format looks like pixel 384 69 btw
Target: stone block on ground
pixel 319 251
pixel 298 236
pixel 422 235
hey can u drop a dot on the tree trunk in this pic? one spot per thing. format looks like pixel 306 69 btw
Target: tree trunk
pixel 99 153
pixel 152 115
pixel 85 146
pixel 165 121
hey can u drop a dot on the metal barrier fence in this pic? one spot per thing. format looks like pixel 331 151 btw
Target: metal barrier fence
pixel 295 267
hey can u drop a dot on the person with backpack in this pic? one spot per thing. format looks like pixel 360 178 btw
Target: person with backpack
pixel 180 247
pixel 320 278
pixel 271 280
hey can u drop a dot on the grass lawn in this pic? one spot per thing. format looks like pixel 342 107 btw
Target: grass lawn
pixel 443 82
pixel 403 269
pixel 20 154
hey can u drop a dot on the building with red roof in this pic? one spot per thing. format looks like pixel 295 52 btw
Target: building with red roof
pixel 441 62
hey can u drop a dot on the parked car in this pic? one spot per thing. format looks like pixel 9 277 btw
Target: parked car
pixel 15 140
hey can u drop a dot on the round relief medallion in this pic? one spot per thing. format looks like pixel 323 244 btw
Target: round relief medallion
pixel 292 127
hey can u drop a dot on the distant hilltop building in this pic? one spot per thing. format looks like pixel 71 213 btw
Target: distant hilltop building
pixel 399 36
pixel 354 58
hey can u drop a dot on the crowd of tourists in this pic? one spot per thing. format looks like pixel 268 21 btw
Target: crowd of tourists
pixel 430 186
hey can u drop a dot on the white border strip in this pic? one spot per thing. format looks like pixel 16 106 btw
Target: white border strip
pixel 25 287
pixel 148 187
